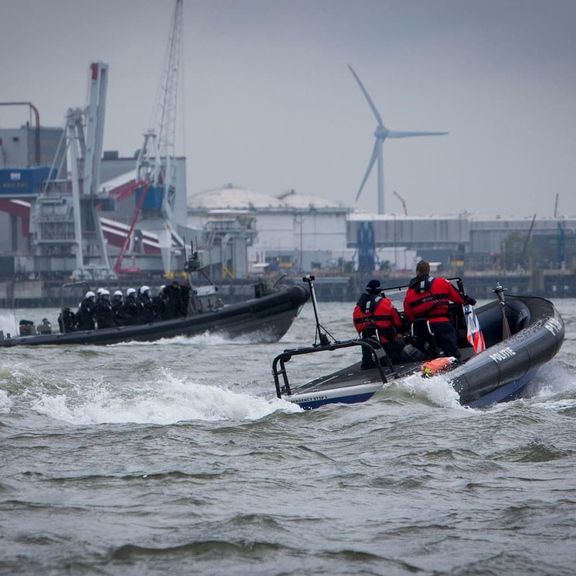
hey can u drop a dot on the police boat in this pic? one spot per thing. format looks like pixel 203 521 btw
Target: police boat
pixel 265 318
pixel 502 344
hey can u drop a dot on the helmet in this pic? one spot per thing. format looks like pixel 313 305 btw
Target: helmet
pixel 118 293
pixel 144 289
pixel 104 292
pixel 90 294
pixel 101 291
pixel 130 291
pixel 373 287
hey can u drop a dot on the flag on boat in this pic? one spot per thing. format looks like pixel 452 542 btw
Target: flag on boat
pixel 473 330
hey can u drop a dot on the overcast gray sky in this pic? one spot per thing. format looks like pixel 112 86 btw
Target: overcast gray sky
pixel 269 103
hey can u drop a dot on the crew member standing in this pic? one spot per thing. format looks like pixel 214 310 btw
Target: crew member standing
pixel 146 306
pixel 130 309
pixel 85 314
pixel 103 311
pixel 428 298
pixel 389 326
pixel 375 317
pixel 117 302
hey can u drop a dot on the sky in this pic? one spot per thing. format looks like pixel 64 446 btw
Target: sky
pixel 267 101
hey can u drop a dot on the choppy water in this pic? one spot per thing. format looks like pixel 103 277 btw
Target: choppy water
pixel 175 458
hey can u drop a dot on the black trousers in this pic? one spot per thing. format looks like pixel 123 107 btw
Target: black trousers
pixel 446 338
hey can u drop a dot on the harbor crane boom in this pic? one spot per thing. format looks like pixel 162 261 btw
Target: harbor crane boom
pixel 155 165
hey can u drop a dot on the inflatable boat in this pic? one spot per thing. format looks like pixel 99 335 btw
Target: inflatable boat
pixel 519 335
pixel 266 318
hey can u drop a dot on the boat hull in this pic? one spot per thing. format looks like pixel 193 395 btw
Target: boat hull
pixel 505 368
pixel 344 395
pixel 498 374
pixel 267 319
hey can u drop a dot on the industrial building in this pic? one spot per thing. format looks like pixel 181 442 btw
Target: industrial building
pixel 21 183
pixel 244 232
pixel 298 233
pixel 290 232
pixel 69 209
pixel 128 227
pixel 470 241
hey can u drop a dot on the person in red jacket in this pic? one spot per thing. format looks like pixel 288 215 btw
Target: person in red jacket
pixel 375 316
pixel 428 298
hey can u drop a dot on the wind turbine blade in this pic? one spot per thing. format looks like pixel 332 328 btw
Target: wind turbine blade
pixel 365 92
pixel 404 134
pixel 369 169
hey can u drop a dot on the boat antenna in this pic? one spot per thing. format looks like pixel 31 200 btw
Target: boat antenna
pixel 321 336
pixel 499 291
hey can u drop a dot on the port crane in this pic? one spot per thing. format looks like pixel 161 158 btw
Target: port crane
pixel 65 216
pixel 155 182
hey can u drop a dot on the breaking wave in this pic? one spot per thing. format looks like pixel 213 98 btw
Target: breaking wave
pixel 437 390
pixel 166 401
pixel 8 323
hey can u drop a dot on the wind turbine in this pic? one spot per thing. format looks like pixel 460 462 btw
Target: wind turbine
pixel 381 133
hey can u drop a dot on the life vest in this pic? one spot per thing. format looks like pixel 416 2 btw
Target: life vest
pixel 429 297
pixel 386 320
pixel 363 311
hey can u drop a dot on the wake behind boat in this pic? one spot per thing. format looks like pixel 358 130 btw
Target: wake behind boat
pixel 521 334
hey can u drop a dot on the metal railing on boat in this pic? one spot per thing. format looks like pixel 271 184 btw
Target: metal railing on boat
pixel 379 356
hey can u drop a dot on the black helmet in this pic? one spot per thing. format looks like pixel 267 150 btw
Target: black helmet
pixel 373 287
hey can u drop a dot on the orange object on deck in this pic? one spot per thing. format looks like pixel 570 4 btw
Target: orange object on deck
pixel 437 366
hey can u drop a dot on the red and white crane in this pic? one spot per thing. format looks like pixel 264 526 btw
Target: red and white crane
pixel 155 166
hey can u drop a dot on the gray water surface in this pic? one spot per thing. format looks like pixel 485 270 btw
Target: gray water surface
pixel 176 458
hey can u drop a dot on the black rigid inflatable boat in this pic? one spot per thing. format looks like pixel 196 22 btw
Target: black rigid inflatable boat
pixel 521 334
pixel 266 318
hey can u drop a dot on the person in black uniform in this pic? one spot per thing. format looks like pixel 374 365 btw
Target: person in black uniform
pixel 184 298
pixel 67 320
pixel 85 314
pixel 130 310
pixel 146 312
pixel 159 304
pixel 103 311
pixel 116 303
pixel 173 300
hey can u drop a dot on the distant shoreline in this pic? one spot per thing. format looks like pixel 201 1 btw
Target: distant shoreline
pixel 336 287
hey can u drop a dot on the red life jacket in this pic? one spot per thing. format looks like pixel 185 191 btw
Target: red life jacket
pixel 429 297
pixel 386 319
pixel 362 314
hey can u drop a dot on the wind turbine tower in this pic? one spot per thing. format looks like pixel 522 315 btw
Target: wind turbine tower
pixel 381 134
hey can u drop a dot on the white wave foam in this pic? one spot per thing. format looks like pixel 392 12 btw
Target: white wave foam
pixel 558 405
pixel 206 339
pixel 5 373
pixel 5 402
pixel 8 323
pixel 436 389
pixel 164 402
pixel 552 379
